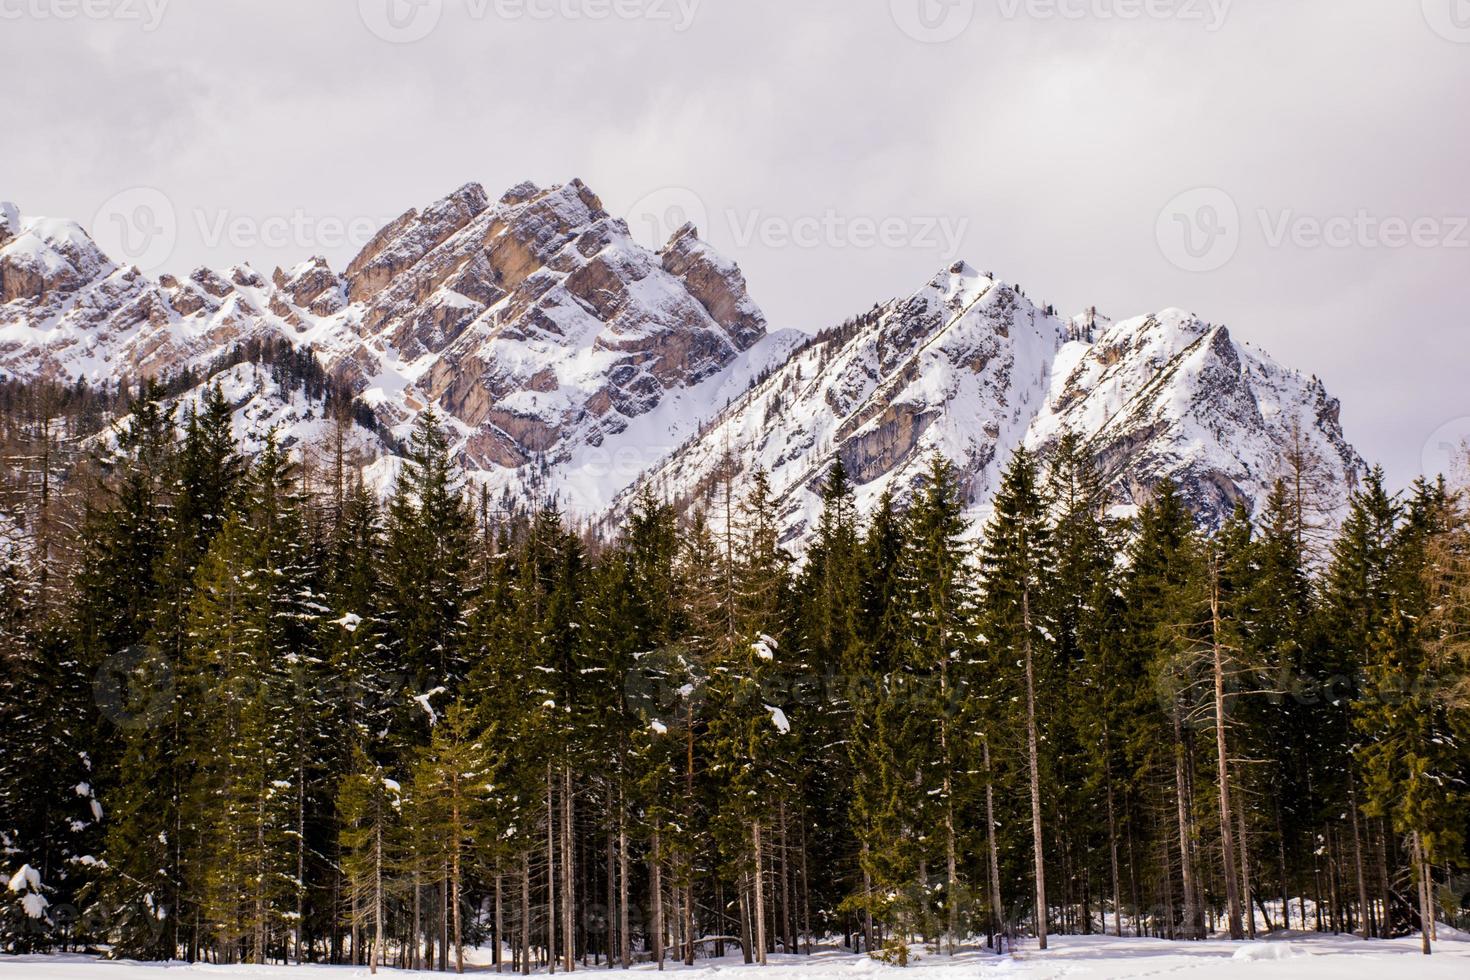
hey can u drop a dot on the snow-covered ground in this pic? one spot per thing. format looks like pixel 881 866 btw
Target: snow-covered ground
pixel 1298 956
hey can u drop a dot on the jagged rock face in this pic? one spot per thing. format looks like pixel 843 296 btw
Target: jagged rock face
pixel 567 360
pixel 534 324
pixel 1169 396
pixel 960 367
pixel 970 367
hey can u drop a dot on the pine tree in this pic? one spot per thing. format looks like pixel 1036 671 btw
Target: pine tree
pixel 1016 562
pixel 428 543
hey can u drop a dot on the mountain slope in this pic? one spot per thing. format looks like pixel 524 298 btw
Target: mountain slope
pixel 561 353
pixel 970 367
pixel 569 362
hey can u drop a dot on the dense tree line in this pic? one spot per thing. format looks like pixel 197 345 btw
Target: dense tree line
pixel 252 712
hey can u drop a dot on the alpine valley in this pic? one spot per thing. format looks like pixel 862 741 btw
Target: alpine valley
pixel 569 362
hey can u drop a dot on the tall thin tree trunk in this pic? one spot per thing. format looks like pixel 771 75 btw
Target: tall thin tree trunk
pixel 526 913
pixel 1227 837
pixel 377 953
pixel 551 910
pixel 1247 897
pixel 568 898
pixel 1186 869
pixel 1365 911
pixel 867 902
pixel 656 888
pixel 1112 836
pixel 454 817
pixel 625 942
pixel 1426 909
pixel 747 928
pixel 759 912
pixel 499 951
pixel 997 913
pixel 1035 768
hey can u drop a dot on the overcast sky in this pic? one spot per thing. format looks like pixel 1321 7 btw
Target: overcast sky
pixel 1296 169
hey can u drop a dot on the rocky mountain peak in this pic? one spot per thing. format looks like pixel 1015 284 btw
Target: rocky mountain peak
pixel 569 361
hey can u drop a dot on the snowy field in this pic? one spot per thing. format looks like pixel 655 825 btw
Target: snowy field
pixel 1298 957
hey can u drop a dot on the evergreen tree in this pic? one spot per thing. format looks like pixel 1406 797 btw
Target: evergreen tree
pixel 1015 565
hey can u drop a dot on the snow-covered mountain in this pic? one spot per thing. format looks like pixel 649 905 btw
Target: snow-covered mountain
pixel 568 360
pixel 970 367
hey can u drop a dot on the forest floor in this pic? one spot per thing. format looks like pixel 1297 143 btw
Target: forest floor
pixel 1297 956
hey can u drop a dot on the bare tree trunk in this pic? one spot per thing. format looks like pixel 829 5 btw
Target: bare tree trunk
pixel 997 913
pixel 377 953
pixel 550 876
pixel 1112 836
pixel 656 886
pixel 526 913
pixel 1035 767
pixel 499 955
pixel 759 912
pixel 625 943
pixel 1426 910
pixel 1186 869
pixel 454 876
pixel 806 892
pixel 788 917
pixel 747 928
pixel 1247 898
pixel 568 898
pixel 1365 911
pixel 867 902
pixel 1227 837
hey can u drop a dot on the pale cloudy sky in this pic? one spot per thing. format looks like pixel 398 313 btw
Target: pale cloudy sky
pixel 1295 169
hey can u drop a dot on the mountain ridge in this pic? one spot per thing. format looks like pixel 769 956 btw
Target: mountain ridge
pixel 566 360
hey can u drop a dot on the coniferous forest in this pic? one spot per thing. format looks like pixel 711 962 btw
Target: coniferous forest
pixel 255 711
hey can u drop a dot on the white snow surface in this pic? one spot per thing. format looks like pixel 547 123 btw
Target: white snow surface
pixel 1297 956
